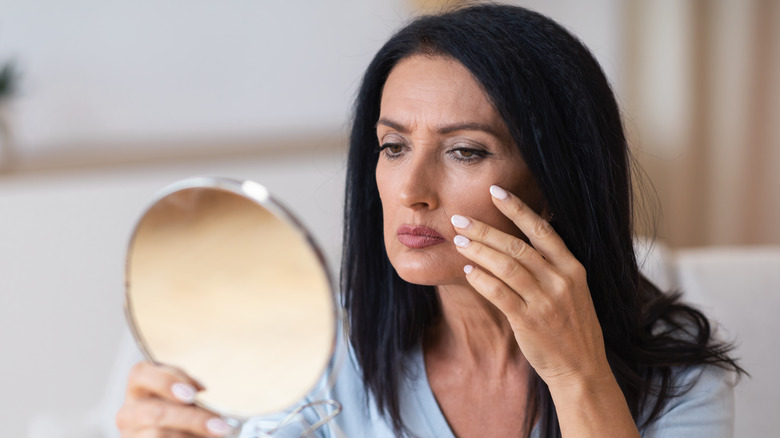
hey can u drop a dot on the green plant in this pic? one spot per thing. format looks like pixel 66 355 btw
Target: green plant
pixel 8 76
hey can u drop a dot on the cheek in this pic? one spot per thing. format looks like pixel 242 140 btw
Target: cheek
pixel 488 213
pixel 382 183
pixel 471 197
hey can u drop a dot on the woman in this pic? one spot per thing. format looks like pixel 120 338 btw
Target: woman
pixel 489 276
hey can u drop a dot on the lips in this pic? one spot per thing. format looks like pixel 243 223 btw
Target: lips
pixel 418 236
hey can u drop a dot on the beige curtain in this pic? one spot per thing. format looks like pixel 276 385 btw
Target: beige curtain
pixel 702 101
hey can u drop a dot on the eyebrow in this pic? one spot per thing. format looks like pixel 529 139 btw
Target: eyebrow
pixel 447 129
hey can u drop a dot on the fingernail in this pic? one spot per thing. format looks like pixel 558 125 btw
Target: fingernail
pixel 462 241
pixel 218 426
pixel 467 269
pixel 498 192
pixel 184 392
pixel 460 221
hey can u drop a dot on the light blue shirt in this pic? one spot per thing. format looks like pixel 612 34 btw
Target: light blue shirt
pixel 706 411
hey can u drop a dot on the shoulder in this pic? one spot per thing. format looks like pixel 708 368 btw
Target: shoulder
pixel 704 408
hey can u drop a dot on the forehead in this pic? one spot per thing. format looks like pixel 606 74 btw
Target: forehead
pixel 435 87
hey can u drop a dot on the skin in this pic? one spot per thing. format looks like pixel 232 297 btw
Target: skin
pixel 523 304
pixel 513 296
pixel 157 405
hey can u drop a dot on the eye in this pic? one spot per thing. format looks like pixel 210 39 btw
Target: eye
pixel 391 150
pixel 468 154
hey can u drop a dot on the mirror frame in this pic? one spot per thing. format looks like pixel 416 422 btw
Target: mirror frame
pixel 258 194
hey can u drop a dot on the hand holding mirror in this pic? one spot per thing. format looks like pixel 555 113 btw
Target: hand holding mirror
pixel 223 283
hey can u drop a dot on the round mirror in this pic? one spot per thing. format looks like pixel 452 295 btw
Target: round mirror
pixel 225 284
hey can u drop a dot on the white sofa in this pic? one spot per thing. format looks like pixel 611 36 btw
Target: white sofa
pixel 739 287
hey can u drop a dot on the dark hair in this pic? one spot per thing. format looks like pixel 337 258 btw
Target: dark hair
pixel 562 115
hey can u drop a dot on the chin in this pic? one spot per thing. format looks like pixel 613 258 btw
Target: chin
pixel 418 273
pixel 416 278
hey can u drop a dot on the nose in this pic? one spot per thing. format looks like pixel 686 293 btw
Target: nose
pixel 419 185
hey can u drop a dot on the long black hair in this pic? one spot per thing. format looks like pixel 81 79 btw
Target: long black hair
pixel 562 115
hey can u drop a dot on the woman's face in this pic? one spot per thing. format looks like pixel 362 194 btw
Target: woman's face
pixel 442 146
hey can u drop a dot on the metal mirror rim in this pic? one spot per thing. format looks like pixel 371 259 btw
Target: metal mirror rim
pixel 258 194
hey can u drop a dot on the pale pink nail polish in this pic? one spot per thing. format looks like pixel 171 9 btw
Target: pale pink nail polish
pixel 467 269
pixel 498 192
pixel 183 392
pixel 219 427
pixel 461 241
pixel 460 221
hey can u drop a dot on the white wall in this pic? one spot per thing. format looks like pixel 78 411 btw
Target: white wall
pixel 97 71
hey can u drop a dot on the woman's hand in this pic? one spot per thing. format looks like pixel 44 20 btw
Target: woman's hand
pixel 542 290
pixel 159 403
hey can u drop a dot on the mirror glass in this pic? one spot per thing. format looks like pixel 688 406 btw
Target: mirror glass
pixel 225 284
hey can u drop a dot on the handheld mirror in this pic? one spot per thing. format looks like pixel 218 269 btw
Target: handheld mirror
pixel 223 283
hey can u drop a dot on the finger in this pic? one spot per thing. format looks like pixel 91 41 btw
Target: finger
pixel 499 294
pixel 505 268
pixel 157 414
pixel 537 229
pixel 510 245
pixel 169 383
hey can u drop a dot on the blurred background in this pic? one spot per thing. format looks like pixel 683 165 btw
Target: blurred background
pixel 103 103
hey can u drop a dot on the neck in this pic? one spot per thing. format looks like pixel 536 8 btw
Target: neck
pixel 472 332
